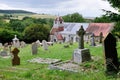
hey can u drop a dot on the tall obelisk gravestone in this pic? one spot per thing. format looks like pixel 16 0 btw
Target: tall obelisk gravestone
pixel 81 54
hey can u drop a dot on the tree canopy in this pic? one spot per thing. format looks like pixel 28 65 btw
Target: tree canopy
pixel 115 17
pixel 75 17
pixel 103 19
pixel 36 32
pixel 115 3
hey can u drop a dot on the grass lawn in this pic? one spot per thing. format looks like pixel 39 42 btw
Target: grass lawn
pixel 35 71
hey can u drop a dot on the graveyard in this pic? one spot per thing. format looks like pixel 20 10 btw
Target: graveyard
pixel 93 69
pixel 60 40
pixel 87 53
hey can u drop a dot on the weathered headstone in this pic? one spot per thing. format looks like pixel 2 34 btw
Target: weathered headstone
pixel 16 59
pixel 1 45
pixel 10 46
pixel 38 43
pixel 34 48
pixel 22 44
pixel 111 57
pixel 45 45
pixel 93 40
pixel 101 37
pixel 82 54
pixel 3 53
pixel 6 47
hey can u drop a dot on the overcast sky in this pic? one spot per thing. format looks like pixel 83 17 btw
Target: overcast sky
pixel 88 8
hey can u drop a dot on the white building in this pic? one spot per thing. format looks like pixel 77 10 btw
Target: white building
pixel 65 31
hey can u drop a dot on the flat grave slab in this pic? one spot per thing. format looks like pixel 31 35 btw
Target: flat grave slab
pixel 66 65
pixel 44 60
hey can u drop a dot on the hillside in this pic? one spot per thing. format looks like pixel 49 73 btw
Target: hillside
pixel 20 14
pixel 15 12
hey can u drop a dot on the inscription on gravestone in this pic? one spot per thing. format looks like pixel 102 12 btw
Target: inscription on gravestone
pixel 111 57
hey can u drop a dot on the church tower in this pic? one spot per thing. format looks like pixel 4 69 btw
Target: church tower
pixel 58 25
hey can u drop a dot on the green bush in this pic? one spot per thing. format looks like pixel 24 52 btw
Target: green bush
pixel 7 35
pixel 36 32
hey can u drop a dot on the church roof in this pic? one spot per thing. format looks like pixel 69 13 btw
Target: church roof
pixel 97 28
pixel 72 28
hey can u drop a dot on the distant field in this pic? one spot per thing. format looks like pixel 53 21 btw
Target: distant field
pixel 21 16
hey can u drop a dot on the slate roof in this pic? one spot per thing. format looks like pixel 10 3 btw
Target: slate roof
pixel 72 28
pixel 97 28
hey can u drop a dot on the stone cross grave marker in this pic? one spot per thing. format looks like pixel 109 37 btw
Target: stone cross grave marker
pixel 111 57
pixel 93 40
pixel 81 55
pixel 34 48
pixel 16 59
pixel 81 33
pixel 45 45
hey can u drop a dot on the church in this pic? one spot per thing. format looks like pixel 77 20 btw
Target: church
pixel 67 31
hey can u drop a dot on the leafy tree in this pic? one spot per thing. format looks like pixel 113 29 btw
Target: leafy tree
pixel 16 25
pixel 75 17
pixel 103 19
pixel 116 30
pixel 115 17
pixel 2 23
pixel 7 35
pixel 27 21
pixel 115 3
pixel 36 32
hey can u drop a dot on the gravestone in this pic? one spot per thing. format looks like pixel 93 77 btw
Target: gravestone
pixel 3 53
pixel 111 57
pixel 93 40
pixel 16 59
pixel 6 47
pixel 1 45
pixel 22 44
pixel 81 33
pixel 81 54
pixel 45 45
pixel 101 37
pixel 38 43
pixel 16 42
pixel 10 46
pixel 34 48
